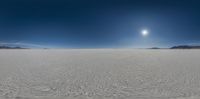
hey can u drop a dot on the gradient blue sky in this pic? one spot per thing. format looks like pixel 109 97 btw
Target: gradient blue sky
pixel 100 23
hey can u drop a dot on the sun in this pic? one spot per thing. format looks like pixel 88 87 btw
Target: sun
pixel 145 32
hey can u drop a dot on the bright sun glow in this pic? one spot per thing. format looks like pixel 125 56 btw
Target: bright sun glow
pixel 144 32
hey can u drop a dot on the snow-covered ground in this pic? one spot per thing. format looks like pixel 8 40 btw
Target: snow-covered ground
pixel 100 74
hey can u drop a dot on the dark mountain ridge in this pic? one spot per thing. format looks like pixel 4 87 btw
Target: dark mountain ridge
pixel 186 47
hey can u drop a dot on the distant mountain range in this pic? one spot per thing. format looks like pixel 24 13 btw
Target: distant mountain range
pixel 186 47
pixel 4 46
pixel 9 47
pixel 20 46
pixel 180 47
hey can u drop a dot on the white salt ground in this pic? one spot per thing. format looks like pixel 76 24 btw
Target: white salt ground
pixel 100 74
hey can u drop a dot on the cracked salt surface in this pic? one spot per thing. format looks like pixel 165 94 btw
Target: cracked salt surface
pixel 99 74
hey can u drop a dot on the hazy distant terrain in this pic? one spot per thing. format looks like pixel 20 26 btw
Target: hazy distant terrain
pixel 100 74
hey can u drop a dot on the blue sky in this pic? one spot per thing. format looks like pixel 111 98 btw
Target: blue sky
pixel 100 23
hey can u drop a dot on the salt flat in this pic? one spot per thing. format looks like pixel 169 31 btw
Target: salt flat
pixel 99 74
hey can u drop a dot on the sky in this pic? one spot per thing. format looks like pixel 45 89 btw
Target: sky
pixel 99 23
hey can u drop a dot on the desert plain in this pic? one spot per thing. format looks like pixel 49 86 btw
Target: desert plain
pixel 99 74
